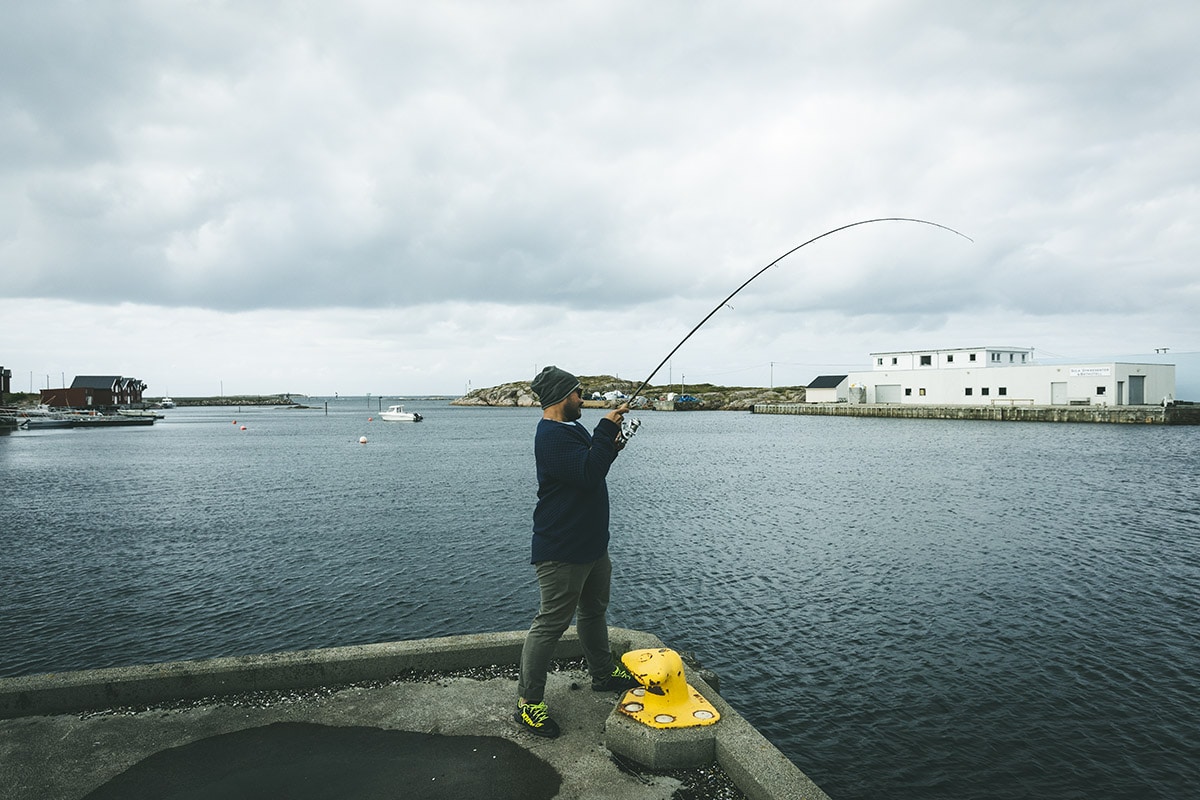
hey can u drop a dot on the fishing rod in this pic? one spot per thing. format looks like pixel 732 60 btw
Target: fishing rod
pixel 725 302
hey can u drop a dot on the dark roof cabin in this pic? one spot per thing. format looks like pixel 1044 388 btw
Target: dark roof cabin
pixel 96 392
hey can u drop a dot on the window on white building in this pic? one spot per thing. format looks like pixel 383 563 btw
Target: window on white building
pixel 921 392
pixel 949 359
pixel 985 391
pixel 969 391
pixel 908 392
pixel 1100 390
pixel 971 357
pixel 926 361
pixel 1002 391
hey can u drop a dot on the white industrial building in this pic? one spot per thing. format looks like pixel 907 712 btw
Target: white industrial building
pixel 995 375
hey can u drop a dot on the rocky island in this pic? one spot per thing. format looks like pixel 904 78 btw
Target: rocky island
pixel 707 396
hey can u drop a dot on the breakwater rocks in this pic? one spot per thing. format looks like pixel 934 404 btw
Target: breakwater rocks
pixel 238 400
pixel 518 394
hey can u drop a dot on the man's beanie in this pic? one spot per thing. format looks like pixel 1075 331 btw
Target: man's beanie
pixel 552 385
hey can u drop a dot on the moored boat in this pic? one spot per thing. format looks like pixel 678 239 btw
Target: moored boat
pixel 97 419
pixel 139 412
pixel 31 419
pixel 398 414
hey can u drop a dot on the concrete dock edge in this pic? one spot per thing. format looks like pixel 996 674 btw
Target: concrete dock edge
pixel 758 768
pixel 66 692
pixel 1178 414
pixel 755 765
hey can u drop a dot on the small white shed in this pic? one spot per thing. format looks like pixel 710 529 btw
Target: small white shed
pixel 827 389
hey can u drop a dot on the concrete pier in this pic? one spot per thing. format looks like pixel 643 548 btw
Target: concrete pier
pixel 352 718
pixel 1185 414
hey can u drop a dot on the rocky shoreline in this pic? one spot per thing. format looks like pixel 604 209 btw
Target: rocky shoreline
pixel 518 394
pixel 239 400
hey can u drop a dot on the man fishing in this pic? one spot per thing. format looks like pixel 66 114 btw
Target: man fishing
pixel 570 545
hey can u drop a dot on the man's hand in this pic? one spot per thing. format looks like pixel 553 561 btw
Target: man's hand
pixel 617 415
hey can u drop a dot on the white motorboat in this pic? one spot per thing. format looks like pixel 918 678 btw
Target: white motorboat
pixel 398 414
pixel 167 402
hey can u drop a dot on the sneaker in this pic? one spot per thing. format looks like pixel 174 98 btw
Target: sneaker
pixel 535 718
pixel 619 680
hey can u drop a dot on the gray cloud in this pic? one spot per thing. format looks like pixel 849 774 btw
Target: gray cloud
pixel 603 158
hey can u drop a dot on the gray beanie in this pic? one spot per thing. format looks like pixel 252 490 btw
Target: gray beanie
pixel 552 385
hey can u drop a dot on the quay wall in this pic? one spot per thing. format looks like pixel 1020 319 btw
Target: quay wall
pixel 1143 415
pixel 754 764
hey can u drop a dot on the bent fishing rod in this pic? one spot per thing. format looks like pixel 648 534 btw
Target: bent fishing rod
pixel 725 302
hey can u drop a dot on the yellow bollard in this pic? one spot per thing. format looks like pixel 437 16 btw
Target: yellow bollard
pixel 665 699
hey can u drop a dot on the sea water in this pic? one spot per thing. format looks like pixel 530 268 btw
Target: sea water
pixel 907 608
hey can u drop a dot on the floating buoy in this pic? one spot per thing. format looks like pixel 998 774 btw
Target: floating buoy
pixel 235 422
pixel 370 419
pixel 362 440
pixel 243 427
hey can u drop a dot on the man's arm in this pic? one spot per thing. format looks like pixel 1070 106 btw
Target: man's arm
pixel 566 453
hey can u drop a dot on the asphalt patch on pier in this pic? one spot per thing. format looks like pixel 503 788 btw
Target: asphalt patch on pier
pixel 304 761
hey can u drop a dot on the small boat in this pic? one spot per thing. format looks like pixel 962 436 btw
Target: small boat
pixel 139 412
pixel 93 419
pixel 41 423
pixel 42 417
pixel 398 414
pixel 167 402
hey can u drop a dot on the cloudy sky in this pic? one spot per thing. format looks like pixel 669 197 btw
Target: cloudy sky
pixel 409 198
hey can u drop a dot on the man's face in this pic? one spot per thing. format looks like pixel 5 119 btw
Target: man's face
pixel 573 405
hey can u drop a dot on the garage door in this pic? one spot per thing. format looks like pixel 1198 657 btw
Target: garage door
pixel 887 393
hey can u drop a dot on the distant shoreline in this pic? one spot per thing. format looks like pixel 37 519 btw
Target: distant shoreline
pixel 296 401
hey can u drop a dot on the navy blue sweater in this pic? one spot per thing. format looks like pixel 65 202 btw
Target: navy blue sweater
pixel 570 522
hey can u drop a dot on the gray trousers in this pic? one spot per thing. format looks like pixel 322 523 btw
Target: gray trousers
pixel 567 589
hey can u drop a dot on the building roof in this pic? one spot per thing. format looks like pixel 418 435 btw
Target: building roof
pixel 95 381
pixel 827 381
pixel 990 348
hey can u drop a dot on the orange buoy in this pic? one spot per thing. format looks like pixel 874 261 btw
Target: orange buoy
pixel 370 419
pixel 243 427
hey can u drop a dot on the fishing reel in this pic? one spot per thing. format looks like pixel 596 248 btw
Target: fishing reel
pixel 629 426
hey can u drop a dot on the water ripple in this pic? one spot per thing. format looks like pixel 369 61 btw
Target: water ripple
pixel 907 608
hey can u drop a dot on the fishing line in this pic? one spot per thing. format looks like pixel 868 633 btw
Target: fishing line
pixel 725 302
